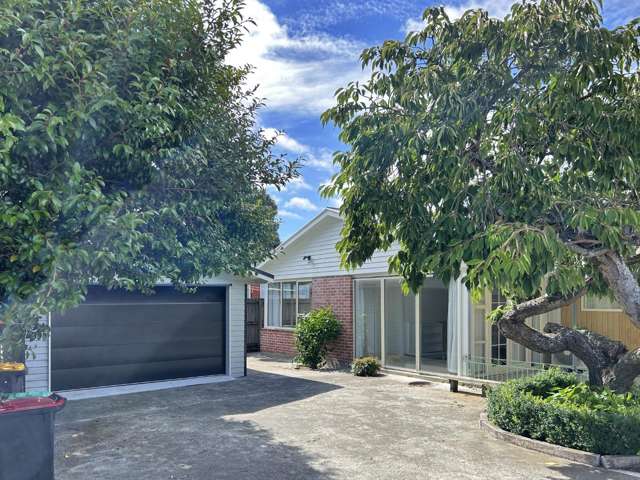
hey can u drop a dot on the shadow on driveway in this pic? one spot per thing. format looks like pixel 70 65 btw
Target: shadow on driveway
pixel 184 433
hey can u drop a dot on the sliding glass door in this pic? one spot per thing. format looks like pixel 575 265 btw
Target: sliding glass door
pixel 434 307
pixel 404 331
pixel 368 318
pixel 399 326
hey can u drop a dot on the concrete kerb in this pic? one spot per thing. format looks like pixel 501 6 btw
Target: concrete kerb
pixel 593 459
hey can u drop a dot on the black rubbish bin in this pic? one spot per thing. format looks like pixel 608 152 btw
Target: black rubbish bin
pixel 26 437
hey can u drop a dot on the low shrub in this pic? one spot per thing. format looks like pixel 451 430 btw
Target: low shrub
pixel 365 367
pixel 555 407
pixel 313 334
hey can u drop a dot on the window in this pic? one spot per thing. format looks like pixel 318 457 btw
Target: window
pixel 286 301
pixel 600 304
pixel 304 297
pixel 498 340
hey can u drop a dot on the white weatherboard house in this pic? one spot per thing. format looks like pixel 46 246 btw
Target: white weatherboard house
pixel 439 330
pixel 127 341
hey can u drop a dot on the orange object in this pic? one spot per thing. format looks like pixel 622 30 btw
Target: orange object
pixel 11 367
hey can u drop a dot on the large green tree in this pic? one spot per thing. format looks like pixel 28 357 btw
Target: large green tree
pixel 128 153
pixel 511 146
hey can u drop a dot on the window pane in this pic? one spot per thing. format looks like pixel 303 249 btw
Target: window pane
pixel 304 297
pixel 288 304
pixel 274 314
pixel 591 302
pixel 479 319
pixel 498 346
pixel 367 318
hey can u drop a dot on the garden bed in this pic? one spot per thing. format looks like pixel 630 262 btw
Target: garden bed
pixel 555 408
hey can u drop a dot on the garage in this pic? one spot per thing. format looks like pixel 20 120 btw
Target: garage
pixel 117 337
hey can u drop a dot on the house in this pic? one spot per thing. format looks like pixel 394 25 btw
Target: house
pixel 440 330
pixel 119 338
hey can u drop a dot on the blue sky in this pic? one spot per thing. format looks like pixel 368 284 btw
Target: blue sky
pixel 303 50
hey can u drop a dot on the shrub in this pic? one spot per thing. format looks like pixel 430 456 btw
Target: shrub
pixel 313 334
pixel 365 367
pixel 554 407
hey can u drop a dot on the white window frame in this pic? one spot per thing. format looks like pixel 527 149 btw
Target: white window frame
pixel 584 308
pixel 297 291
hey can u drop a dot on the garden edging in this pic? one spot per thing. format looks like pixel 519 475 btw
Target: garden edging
pixel 593 459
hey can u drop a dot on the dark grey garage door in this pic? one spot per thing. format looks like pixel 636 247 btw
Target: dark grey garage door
pixel 119 337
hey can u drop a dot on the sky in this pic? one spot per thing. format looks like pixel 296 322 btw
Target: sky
pixel 303 50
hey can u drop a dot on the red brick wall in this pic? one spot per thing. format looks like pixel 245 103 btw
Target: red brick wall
pixel 277 341
pixel 336 292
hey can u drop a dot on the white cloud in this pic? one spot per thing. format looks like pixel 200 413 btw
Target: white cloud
pixel 321 160
pixel 288 214
pixel 455 10
pixel 298 74
pixel 284 141
pixel 328 13
pixel 301 203
pixel 297 184
pixel 496 8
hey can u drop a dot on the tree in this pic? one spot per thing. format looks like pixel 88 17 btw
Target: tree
pixel 128 153
pixel 511 146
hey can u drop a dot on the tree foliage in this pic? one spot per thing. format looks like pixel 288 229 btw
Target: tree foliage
pixel 507 145
pixel 128 152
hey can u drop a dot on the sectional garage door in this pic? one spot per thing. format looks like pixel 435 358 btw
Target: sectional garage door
pixel 119 337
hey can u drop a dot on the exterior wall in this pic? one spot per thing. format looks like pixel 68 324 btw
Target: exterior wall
pixel 320 244
pixel 336 292
pixel 236 325
pixel 615 325
pixel 38 367
pixel 277 340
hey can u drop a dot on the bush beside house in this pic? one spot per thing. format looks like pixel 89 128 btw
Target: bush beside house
pixel 555 407
pixel 313 334
pixel 366 367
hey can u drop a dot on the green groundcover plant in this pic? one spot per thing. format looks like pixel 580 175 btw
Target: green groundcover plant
pixel 365 367
pixel 555 407
pixel 314 332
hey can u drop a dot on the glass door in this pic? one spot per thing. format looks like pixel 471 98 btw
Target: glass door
pixel 434 307
pixel 368 318
pixel 399 326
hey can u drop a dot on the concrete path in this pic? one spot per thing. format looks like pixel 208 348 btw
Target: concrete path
pixel 280 423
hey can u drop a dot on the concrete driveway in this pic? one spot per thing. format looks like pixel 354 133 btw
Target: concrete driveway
pixel 281 423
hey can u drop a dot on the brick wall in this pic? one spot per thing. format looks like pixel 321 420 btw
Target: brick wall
pixel 277 341
pixel 336 292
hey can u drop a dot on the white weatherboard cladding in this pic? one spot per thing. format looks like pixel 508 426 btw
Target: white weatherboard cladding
pixel 235 336
pixel 38 367
pixel 319 242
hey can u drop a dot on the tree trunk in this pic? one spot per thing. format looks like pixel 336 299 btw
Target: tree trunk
pixel 608 361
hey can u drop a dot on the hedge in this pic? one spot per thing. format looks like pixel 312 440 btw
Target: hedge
pixel 545 407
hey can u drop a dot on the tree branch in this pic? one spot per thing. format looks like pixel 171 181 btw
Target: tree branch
pixel 597 352
pixel 622 282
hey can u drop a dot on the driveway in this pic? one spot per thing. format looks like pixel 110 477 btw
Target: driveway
pixel 280 423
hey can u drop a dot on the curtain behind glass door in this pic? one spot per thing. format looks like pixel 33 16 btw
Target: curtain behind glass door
pixel 368 316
